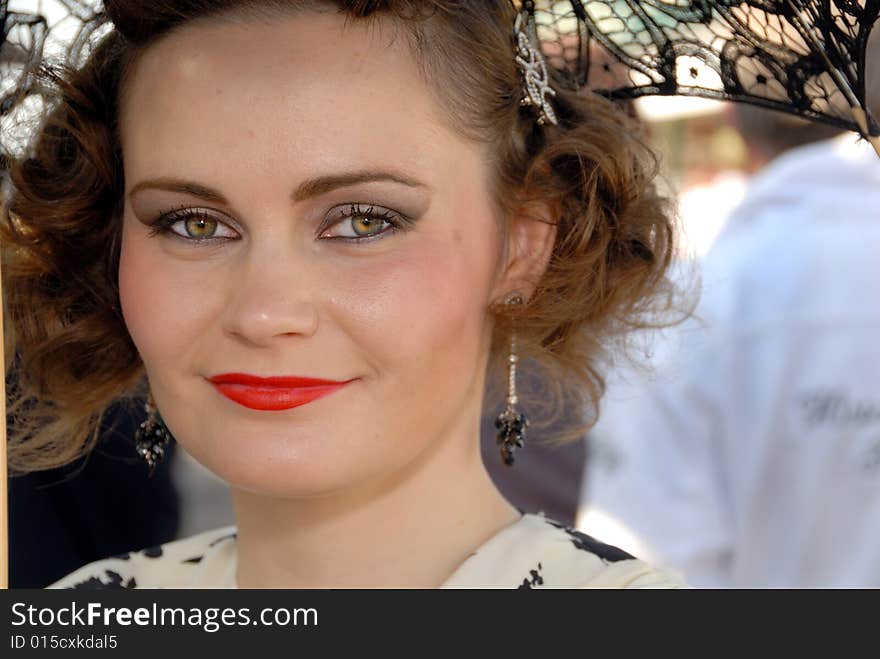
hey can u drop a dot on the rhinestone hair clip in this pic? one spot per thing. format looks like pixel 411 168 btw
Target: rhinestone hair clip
pixel 534 69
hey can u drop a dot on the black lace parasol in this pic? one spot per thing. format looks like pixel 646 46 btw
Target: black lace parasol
pixel 34 32
pixel 804 57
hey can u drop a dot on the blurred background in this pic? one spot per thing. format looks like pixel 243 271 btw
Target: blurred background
pixel 741 448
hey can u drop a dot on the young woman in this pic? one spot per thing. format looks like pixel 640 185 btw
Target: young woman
pixel 310 231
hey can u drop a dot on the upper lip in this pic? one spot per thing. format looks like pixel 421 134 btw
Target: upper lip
pixel 278 381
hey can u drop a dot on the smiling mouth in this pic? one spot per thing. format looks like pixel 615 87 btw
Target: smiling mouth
pixel 272 394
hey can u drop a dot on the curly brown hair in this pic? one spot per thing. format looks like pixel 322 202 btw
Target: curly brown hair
pixel 68 344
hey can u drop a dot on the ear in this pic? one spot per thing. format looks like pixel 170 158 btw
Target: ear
pixel 530 239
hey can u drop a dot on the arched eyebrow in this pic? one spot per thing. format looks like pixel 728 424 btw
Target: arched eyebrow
pixel 323 184
pixel 309 188
pixel 179 185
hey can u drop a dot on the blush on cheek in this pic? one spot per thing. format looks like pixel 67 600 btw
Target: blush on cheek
pixel 425 305
pixel 151 304
pixel 133 288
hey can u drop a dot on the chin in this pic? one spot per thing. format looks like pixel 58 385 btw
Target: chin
pixel 298 464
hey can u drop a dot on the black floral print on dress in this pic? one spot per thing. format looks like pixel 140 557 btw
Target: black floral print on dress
pixel 114 582
pixel 534 579
pixel 584 542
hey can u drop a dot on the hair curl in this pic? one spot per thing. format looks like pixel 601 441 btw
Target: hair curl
pixel 71 351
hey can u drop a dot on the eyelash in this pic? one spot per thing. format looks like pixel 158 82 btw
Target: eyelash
pixel 395 221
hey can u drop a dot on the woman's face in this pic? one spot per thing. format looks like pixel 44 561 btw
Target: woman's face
pixel 316 218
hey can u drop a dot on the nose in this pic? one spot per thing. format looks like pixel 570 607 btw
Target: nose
pixel 272 297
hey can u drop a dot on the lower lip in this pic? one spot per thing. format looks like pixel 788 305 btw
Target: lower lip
pixel 273 399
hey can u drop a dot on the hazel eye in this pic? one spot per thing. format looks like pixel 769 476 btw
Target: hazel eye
pixel 196 225
pixel 361 226
pixel 356 224
pixel 200 227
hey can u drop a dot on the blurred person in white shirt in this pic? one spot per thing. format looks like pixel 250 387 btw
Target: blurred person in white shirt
pixel 750 456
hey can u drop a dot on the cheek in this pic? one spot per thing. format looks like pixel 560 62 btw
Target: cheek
pixel 134 290
pixel 424 308
pixel 160 306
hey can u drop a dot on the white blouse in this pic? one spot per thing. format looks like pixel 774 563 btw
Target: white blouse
pixel 534 552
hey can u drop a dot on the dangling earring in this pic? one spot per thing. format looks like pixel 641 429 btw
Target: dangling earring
pixel 511 424
pixel 152 436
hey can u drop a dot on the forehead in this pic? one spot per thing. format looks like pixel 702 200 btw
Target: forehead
pixel 305 89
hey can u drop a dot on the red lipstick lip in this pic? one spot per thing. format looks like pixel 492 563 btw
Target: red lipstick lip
pixel 286 381
pixel 273 393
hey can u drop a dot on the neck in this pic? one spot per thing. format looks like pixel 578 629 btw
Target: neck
pixel 410 530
